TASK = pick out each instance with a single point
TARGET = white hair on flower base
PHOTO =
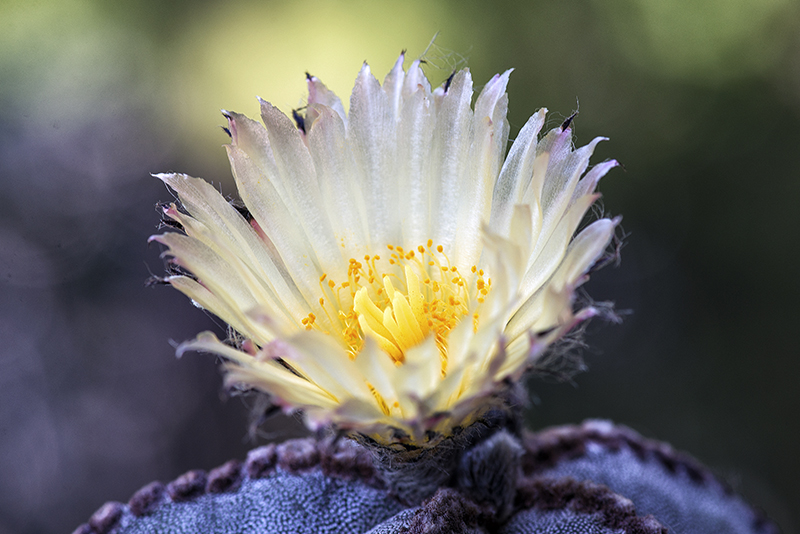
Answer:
(397, 272)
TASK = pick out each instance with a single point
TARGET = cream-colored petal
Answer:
(421, 371)
(584, 250)
(414, 183)
(543, 309)
(371, 131)
(547, 255)
(359, 414)
(452, 140)
(506, 261)
(335, 168)
(299, 176)
(378, 369)
(212, 270)
(327, 364)
(589, 182)
(318, 93)
(224, 230)
(279, 225)
(490, 135)
(269, 376)
(458, 345)
(393, 86)
(252, 138)
(415, 80)
(516, 173)
(209, 301)
(557, 194)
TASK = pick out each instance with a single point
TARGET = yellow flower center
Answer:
(418, 294)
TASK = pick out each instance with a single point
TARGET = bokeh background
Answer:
(701, 101)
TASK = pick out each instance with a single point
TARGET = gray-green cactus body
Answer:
(595, 478)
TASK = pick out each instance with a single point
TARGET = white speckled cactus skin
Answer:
(596, 478)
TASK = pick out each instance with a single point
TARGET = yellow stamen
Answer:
(399, 308)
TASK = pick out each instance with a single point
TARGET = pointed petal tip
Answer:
(398, 64)
(182, 349)
(169, 176)
(365, 75)
(502, 76)
(194, 344)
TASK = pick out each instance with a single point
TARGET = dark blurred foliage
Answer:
(701, 101)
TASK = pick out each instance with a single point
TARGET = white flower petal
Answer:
(490, 135)
(588, 183)
(304, 198)
(421, 372)
(517, 173)
(280, 227)
(256, 373)
(371, 131)
(219, 226)
(393, 85)
(415, 136)
(452, 140)
(415, 80)
(327, 364)
(208, 301)
(584, 251)
(378, 370)
(212, 270)
(319, 94)
(550, 250)
(327, 143)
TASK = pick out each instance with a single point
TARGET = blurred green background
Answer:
(701, 100)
